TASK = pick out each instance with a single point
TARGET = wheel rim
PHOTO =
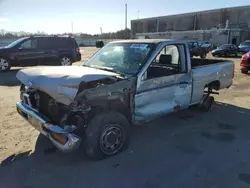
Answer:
(65, 61)
(111, 139)
(3, 64)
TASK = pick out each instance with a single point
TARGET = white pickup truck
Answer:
(123, 84)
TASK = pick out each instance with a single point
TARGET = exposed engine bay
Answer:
(92, 96)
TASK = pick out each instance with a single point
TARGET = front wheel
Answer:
(4, 65)
(65, 61)
(107, 134)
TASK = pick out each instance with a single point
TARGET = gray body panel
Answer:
(61, 82)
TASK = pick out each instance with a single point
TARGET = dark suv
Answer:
(39, 50)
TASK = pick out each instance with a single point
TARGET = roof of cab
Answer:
(153, 41)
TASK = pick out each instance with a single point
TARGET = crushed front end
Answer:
(36, 109)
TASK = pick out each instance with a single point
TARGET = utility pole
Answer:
(72, 27)
(138, 14)
(126, 15)
(101, 31)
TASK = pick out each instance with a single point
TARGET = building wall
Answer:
(214, 36)
(238, 17)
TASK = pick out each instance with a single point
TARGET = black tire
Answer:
(4, 65)
(97, 135)
(207, 104)
(244, 71)
(203, 56)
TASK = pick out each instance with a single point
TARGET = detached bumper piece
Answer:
(61, 138)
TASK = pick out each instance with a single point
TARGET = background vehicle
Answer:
(207, 45)
(226, 50)
(124, 83)
(195, 49)
(39, 50)
(245, 63)
(244, 47)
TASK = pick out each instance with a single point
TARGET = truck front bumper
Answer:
(63, 139)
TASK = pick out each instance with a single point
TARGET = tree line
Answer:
(121, 34)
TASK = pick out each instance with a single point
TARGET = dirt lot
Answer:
(187, 149)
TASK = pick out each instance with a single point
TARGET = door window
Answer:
(170, 60)
(46, 43)
(29, 44)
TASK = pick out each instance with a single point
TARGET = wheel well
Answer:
(214, 85)
(124, 110)
(66, 55)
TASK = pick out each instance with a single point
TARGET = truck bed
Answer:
(207, 71)
(197, 62)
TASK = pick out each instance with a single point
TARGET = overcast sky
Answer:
(55, 16)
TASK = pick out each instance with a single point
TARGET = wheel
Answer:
(226, 54)
(4, 65)
(244, 71)
(65, 61)
(207, 103)
(107, 134)
(203, 56)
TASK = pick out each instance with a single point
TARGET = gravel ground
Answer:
(185, 149)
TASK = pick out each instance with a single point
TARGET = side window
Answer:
(65, 42)
(29, 44)
(171, 60)
(45, 43)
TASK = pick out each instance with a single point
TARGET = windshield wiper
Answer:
(108, 69)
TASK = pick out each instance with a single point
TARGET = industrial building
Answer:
(220, 26)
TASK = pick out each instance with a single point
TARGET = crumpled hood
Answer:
(61, 82)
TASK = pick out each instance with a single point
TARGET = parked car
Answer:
(207, 45)
(125, 83)
(245, 63)
(39, 50)
(244, 47)
(195, 49)
(99, 44)
(226, 50)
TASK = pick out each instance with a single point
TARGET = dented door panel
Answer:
(159, 96)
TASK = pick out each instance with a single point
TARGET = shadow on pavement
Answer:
(186, 144)
(9, 78)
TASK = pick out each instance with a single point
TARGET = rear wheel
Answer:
(244, 71)
(65, 61)
(107, 134)
(4, 65)
(207, 103)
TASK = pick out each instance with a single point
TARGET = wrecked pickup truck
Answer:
(125, 83)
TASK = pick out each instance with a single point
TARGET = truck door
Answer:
(166, 84)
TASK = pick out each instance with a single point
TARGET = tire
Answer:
(104, 126)
(4, 65)
(65, 61)
(207, 104)
(244, 71)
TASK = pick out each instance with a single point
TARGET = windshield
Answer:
(225, 46)
(15, 43)
(125, 58)
(246, 44)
